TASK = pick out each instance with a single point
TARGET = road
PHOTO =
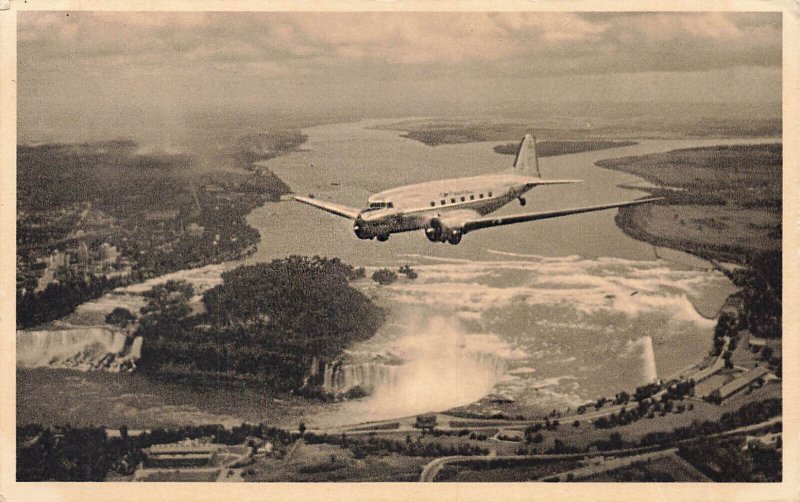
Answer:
(406, 424)
(433, 468)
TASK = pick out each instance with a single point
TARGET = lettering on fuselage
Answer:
(458, 192)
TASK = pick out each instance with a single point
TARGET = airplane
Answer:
(450, 208)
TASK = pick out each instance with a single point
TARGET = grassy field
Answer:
(668, 468)
(581, 437)
(324, 462)
(721, 202)
(182, 476)
(466, 472)
(501, 447)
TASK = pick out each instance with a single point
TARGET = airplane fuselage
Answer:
(448, 209)
(413, 207)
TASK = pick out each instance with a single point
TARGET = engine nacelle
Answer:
(433, 234)
(445, 230)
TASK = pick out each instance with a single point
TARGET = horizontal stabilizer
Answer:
(331, 207)
(519, 218)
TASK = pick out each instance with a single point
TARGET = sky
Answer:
(110, 70)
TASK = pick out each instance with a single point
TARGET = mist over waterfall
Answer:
(442, 366)
(81, 348)
(649, 360)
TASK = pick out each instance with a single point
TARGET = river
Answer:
(548, 314)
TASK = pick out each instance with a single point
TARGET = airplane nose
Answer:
(358, 228)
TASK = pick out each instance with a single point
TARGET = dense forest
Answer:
(60, 299)
(734, 460)
(161, 212)
(263, 326)
(762, 290)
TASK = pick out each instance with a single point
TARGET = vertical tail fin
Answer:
(527, 162)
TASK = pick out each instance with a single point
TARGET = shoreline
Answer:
(234, 262)
(703, 210)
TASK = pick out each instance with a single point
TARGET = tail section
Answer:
(527, 162)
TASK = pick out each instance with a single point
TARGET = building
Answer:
(742, 381)
(189, 453)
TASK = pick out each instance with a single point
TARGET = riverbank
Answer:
(721, 203)
(484, 338)
(639, 122)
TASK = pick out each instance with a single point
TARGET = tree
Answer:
(384, 276)
(408, 271)
(425, 423)
(615, 441)
(576, 423)
(728, 357)
(120, 317)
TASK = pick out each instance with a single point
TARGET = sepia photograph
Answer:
(401, 246)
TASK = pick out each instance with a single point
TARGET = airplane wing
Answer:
(331, 207)
(479, 223)
(541, 181)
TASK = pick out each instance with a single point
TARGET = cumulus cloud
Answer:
(556, 43)
(124, 71)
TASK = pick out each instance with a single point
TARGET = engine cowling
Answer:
(447, 229)
(434, 234)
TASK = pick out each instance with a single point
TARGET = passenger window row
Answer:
(463, 199)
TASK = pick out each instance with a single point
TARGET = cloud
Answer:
(512, 43)
(124, 71)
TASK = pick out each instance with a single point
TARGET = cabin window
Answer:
(453, 200)
(379, 205)
(481, 196)
(463, 199)
(490, 194)
(444, 202)
(472, 197)
(433, 204)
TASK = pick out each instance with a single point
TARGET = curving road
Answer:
(433, 468)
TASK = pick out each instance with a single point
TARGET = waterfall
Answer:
(81, 348)
(327, 381)
(340, 378)
(136, 349)
(649, 360)
(498, 365)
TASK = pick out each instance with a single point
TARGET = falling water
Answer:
(82, 348)
(136, 349)
(368, 375)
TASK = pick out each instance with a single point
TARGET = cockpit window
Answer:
(379, 205)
